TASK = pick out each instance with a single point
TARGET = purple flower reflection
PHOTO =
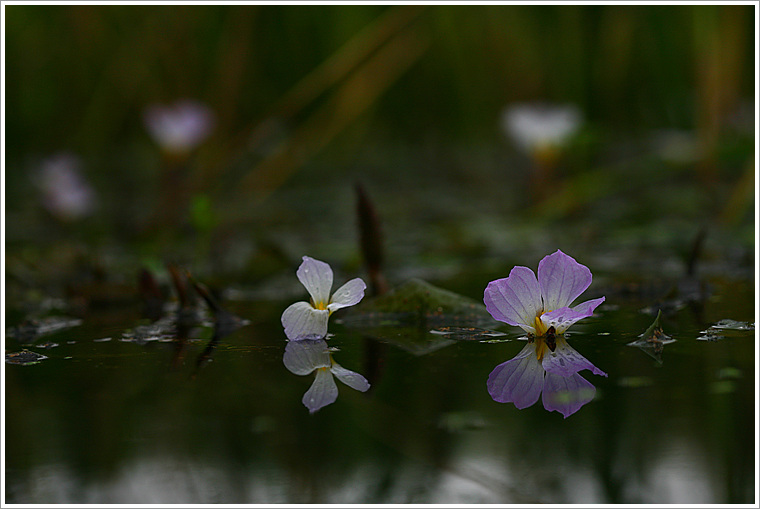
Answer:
(312, 355)
(536, 370)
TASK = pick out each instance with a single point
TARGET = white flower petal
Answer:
(317, 277)
(303, 357)
(322, 392)
(347, 295)
(350, 378)
(302, 321)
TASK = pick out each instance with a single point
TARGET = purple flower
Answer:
(180, 127)
(308, 320)
(547, 364)
(538, 304)
(313, 355)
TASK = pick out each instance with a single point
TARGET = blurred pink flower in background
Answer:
(65, 192)
(180, 127)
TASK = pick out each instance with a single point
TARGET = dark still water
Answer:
(116, 413)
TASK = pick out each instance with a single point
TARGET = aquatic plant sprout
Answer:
(547, 365)
(308, 320)
(313, 356)
(535, 305)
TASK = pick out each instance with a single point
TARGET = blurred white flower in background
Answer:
(65, 192)
(180, 127)
(538, 128)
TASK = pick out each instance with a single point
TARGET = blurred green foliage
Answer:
(78, 77)
(327, 88)
(81, 74)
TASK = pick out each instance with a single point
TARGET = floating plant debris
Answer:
(467, 333)
(723, 329)
(24, 358)
(156, 331)
(30, 330)
(729, 324)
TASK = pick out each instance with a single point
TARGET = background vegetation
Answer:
(328, 93)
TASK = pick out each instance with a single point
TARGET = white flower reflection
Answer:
(313, 355)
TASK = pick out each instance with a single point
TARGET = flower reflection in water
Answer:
(540, 305)
(313, 355)
(536, 370)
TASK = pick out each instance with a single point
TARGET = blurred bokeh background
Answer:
(407, 100)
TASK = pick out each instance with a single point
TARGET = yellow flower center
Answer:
(540, 327)
(540, 348)
(320, 305)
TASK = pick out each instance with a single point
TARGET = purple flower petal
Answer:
(518, 380)
(350, 378)
(317, 277)
(302, 321)
(566, 395)
(563, 318)
(566, 361)
(322, 392)
(515, 300)
(303, 357)
(347, 295)
(562, 280)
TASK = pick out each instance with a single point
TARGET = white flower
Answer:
(308, 320)
(537, 128)
(307, 356)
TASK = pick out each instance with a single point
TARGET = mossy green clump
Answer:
(421, 302)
